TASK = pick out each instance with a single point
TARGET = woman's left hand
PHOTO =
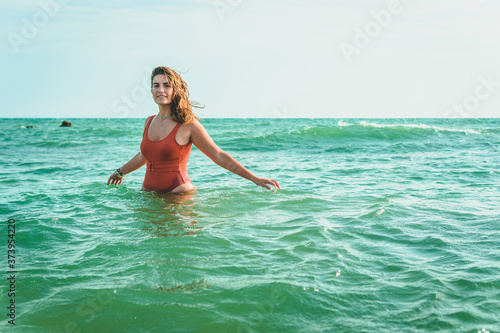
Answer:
(263, 181)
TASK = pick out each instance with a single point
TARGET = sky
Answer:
(252, 58)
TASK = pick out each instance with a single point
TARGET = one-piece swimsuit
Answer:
(166, 161)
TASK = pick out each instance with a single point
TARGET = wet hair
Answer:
(182, 107)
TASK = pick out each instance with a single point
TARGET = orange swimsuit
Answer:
(166, 161)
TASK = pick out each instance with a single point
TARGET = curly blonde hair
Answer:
(182, 107)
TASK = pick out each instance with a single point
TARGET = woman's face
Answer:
(162, 91)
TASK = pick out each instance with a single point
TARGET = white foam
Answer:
(423, 126)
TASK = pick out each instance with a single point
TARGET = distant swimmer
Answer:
(167, 139)
(65, 124)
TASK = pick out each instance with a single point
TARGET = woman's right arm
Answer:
(135, 163)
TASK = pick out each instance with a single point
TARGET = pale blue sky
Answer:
(252, 58)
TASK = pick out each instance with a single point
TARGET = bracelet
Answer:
(120, 174)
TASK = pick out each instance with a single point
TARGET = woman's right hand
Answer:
(114, 179)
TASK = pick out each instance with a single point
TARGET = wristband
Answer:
(119, 173)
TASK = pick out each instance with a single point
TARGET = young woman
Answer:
(167, 139)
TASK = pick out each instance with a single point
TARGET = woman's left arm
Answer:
(203, 141)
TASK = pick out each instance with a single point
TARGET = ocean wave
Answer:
(370, 130)
(344, 127)
(343, 131)
(418, 126)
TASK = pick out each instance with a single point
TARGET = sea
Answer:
(380, 225)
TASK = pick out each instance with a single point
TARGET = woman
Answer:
(167, 139)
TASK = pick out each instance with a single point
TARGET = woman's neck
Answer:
(165, 110)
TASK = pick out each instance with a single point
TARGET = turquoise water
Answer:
(381, 225)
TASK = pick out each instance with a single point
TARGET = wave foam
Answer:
(421, 126)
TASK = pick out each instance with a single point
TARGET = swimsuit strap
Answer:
(176, 128)
(145, 132)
